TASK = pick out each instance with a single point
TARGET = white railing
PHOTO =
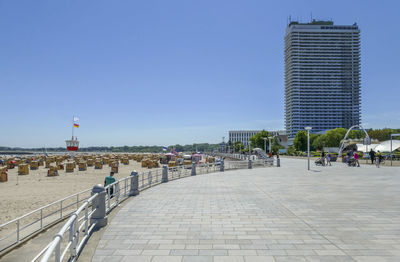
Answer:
(79, 222)
(23, 227)
(78, 230)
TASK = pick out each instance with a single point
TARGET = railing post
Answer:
(41, 218)
(222, 165)
(18, 231)
(164, 174)
(57, 252)
(72, 248)
(76, 236)
(193, 169)
(150, 178)
(125, 186)
(99, 205)
(117, 188)
(86, 220)
(250, 165)
(134, 184)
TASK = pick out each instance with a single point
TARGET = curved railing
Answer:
(76, 225)
(80, 224)
(17, 230)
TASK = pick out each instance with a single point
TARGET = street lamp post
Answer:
(265, 144)
(249, 150)
(270, 138)
(391, 147)
(308, 128)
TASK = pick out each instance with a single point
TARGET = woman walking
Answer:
(328, 159)
(356, 157)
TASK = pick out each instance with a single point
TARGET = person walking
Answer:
(356, 157)
(379, 158)
(109, 180)
(328, 159)
(323, 157)
(349, 156)
(372, 155)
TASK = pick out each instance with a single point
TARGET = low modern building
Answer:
(244, 136)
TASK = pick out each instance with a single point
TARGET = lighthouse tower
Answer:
(73, 143)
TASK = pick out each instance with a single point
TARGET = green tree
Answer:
(239, 147)
(300, 141)
(318, 142)
(334, 136)
(291, 150)
(356, 134)
(276, 146)
(258, 141)
(314, 137)
(382, 134)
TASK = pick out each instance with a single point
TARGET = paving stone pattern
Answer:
(334, 213)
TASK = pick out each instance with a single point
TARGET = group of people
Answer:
(375, 156)
(352, 158)
(325, 158)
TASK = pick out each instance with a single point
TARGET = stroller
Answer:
(320, 162)
(351, 162)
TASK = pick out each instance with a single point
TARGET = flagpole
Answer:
(73, 127)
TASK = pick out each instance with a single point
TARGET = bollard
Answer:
(250, 166)
(134, 184)
(99, 205)
(278, 162)
(164, 174)
(193, 169)
(222, 165)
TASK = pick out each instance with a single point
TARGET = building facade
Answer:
(244, 136)
(322, 76)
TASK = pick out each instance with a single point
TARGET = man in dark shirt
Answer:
(109, 180)
(372, 155)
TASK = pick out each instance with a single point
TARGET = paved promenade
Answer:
(332, 213)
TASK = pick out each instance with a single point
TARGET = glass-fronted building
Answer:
(322, 76)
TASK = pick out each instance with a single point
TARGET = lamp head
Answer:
(308, 128)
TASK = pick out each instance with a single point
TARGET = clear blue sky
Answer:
(165, 72)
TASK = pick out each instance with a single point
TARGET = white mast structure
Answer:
(73, 144)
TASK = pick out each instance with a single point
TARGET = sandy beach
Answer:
(24, 193)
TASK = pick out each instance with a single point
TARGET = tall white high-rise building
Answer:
(322, 76)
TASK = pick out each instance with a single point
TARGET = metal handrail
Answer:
(42, 220)
(43, 207)
(122, 189)
(72, 226)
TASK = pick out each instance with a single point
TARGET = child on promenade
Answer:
(328, 159)
(356, 157)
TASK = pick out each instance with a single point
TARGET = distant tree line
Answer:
(202, 147)
(333, 137)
